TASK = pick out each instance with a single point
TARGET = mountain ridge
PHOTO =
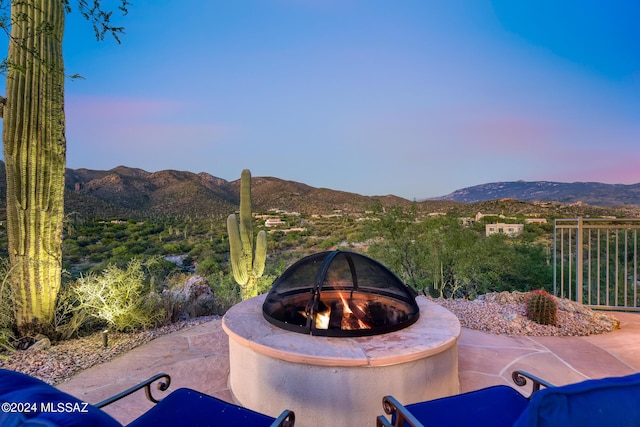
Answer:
(591, 193)
(182, 192)
(132, 192)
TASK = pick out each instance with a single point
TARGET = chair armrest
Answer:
(402, 415)
(162, 386)
(520, 379)
(286, 419)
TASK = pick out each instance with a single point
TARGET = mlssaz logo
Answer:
(66, 407)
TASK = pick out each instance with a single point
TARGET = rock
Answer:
(511, 317)
(193, 298)
(42, 343)
(505, 297)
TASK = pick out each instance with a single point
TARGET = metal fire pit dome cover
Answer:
(334, 281)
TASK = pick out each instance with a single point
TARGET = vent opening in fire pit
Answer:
(340, 294)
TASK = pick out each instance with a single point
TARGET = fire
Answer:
(350, 320)
(323, 318)
(345, 305)
(354, 315)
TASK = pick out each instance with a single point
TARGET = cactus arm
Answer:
(246, 218)
(261, 254)
(238, 263)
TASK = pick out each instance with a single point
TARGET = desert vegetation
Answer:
(116, 270)
(440, 256)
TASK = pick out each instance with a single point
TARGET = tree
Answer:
(442, 257)
(35, 151)
(401, 246)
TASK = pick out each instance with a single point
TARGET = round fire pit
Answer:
(340, 294)
(336, 333)
(339, 380)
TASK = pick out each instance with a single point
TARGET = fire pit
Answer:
(340, 294)
(331, 347)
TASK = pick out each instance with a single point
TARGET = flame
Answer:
(350, 321)
(345, 305)
(322, 319)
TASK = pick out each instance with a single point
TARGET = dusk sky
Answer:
(415, 98)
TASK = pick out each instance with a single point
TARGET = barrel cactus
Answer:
(247, 259)
(542, 307)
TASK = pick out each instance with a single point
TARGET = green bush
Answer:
(225, 290)
(208, 266)
(120, 297)
(70, 316)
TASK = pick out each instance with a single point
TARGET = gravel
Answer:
(505, 313)
(61, 360)
(497, 313)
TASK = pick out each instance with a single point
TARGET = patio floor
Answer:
(198, 358)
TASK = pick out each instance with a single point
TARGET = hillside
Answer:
(129, 190)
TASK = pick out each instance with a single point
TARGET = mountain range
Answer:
(591, 193)
(131, 192)
(179, 192)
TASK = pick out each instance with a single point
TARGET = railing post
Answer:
(579, 266)
(555, 257)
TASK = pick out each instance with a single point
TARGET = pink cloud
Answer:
(599, 165)
(120, 129)
(509, 131)
(101, 108)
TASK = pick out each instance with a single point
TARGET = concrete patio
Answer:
(198, 358)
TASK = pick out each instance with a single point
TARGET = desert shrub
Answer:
(225, 290)
(120, 297)
(166, 306)
(271, 272)
(208, 266)
(6, 312)
(71, 318)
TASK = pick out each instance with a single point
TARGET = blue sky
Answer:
(415, 98)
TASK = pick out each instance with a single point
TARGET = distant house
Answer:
(273, 222)
(535, 221)
(501, 228)
(480, 215)
(466, 222)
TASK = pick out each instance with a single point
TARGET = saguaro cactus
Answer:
(34, 153)
(247, 261)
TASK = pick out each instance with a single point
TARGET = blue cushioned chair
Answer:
(590, 403)
(29, 402)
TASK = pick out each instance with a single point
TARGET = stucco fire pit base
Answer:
(339, 381)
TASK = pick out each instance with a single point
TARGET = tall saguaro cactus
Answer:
(34, 151)
(247, 261)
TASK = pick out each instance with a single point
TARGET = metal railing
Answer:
(596, 262)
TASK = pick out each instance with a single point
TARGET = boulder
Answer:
(192, 298)
(41, 343)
